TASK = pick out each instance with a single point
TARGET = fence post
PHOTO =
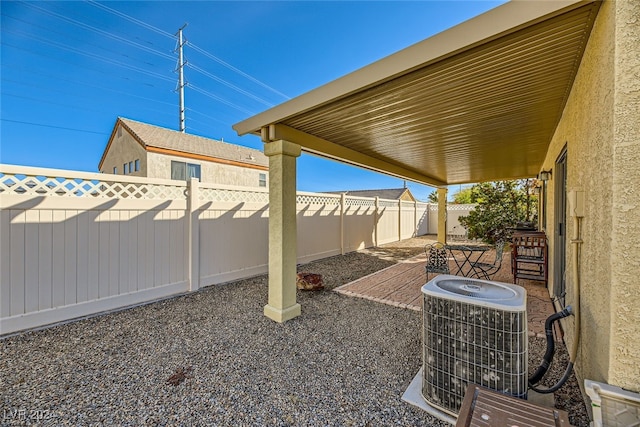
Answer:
(193, 246)
(377, 220)
(399, 220)
(415, 218)
(342, 199)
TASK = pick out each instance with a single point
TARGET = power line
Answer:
(100, 31)
(66, 36)
(143, 71)
(229, 85)
(54, 41)
(55, 58)
(52, 126)
(217, 98)
(222, 100)
(93, 56)
(206, 115)
(66, 92)
(30, 70)
(232, 68)
(130, 19)
(193, 46)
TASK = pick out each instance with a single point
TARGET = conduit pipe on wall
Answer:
(577, 244)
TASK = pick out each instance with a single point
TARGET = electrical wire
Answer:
(236, 70)
(191, 45)
(219, 99)
(29, 70)
(146, 72)
(95, 56)
(130, 18)
(59, 45)
(63, 36)
(52, 126)
(99, 31)
(224, 82)
(82, 107)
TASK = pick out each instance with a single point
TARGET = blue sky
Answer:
(69, 69)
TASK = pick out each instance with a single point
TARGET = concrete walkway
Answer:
(400, 285)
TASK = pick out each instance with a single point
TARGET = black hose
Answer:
(556, 386)
(548, 355)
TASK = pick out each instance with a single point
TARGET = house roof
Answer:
(168, 141)
(477, 102)
(390, 193)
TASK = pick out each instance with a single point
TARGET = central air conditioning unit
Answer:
(474, 331)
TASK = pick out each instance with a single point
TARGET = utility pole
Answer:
(180, 71)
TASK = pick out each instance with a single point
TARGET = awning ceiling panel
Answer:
(482, 113)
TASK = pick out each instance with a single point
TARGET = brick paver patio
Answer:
(400, 285)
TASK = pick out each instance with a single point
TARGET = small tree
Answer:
(501, 205)
(464, 196)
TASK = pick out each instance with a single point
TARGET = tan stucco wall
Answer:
(124, 148)
(625, 296)
(601, 129)
(159, 166)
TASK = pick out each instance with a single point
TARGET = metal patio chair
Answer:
(487, 271)
(437, 259)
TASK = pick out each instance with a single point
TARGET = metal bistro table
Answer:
(470, 254)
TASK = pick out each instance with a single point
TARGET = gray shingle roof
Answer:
(155, 136)
(391, 193)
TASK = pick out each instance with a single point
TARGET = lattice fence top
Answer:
(453, 207)
(359, 201)
(466, 207)
(319, 199)
(385, 203)
(41, 185)
(232, 195)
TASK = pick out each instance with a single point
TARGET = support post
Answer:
(442, 215)
(282, 304)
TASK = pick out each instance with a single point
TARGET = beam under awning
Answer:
(314, 145)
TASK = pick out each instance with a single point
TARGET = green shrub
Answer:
(501, 206)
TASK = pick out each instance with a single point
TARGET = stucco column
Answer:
(282, 304)
(442, 215)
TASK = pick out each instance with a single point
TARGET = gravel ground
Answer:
(345, 361)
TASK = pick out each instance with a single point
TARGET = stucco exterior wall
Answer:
(159, 166)
(625, 296)
(600, 128)
(124, 148)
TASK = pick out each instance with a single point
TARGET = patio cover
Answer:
(477, 102)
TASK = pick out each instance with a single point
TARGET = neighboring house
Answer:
(141, 149)
(389, 194)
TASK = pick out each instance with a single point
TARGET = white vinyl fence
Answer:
(75, 244)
